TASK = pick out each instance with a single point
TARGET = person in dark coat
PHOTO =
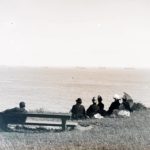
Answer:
(78, 110)
(101, 106)
(126, 105)
(93, 109)
(15, 119)
(114, 105)
(20, 109)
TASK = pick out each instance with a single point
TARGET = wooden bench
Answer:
(18, 118)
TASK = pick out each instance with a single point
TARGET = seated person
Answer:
(17, 110)
(125, 105)
(20, 109)
(101, 106)
(114, 105)
(93, 109)
(78, 110)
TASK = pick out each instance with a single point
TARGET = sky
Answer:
(90, 33)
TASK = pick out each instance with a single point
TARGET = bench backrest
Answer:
(20, 117)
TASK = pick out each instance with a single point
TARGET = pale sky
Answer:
(114, 33)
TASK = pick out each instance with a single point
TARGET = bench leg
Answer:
(63, 124)
(3, 125)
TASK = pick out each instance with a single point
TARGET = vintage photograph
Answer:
(74, 74)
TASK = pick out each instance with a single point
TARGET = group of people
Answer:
(78, 110)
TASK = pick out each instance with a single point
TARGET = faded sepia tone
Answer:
(75, 33)
(74, 74)
(56, 89)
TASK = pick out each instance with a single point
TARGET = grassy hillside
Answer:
(131, 133)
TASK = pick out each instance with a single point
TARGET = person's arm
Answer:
(88, 110)
(25, 111)
(73, 109)
(102, 106)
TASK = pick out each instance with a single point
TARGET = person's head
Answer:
(22, 105)
(94, 100)
(99, 98)
(79, 101)
(124, 98)
(117, 97)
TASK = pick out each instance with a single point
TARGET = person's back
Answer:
(101, 106)
(14, 111)
(93, 109)
(114, 105)
(126, 105)
(20, 109)
(78, 110)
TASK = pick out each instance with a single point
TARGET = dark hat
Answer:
(79, 100)
(22, 104)
(99, 98)
(93, 99)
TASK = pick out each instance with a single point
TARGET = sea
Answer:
(56, 89)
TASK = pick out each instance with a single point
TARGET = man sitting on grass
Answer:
(114, 105)
(101, 110)
(78, 110)
(93, 109)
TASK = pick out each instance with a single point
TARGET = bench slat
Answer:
(46, 124)
(39, 115)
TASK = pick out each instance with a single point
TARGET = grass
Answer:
(131, 133)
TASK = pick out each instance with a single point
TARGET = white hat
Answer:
(116, 96)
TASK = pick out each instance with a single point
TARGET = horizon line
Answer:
(81, 67)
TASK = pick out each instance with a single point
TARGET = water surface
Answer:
(56, 89)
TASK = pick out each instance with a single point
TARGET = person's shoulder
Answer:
(74, 105)
(100, 104)
(90, 105)
(112, 103)
(22, 110)
(82, 106)
(11, 110)
(25, 111)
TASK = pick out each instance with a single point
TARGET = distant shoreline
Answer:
(75, 67)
